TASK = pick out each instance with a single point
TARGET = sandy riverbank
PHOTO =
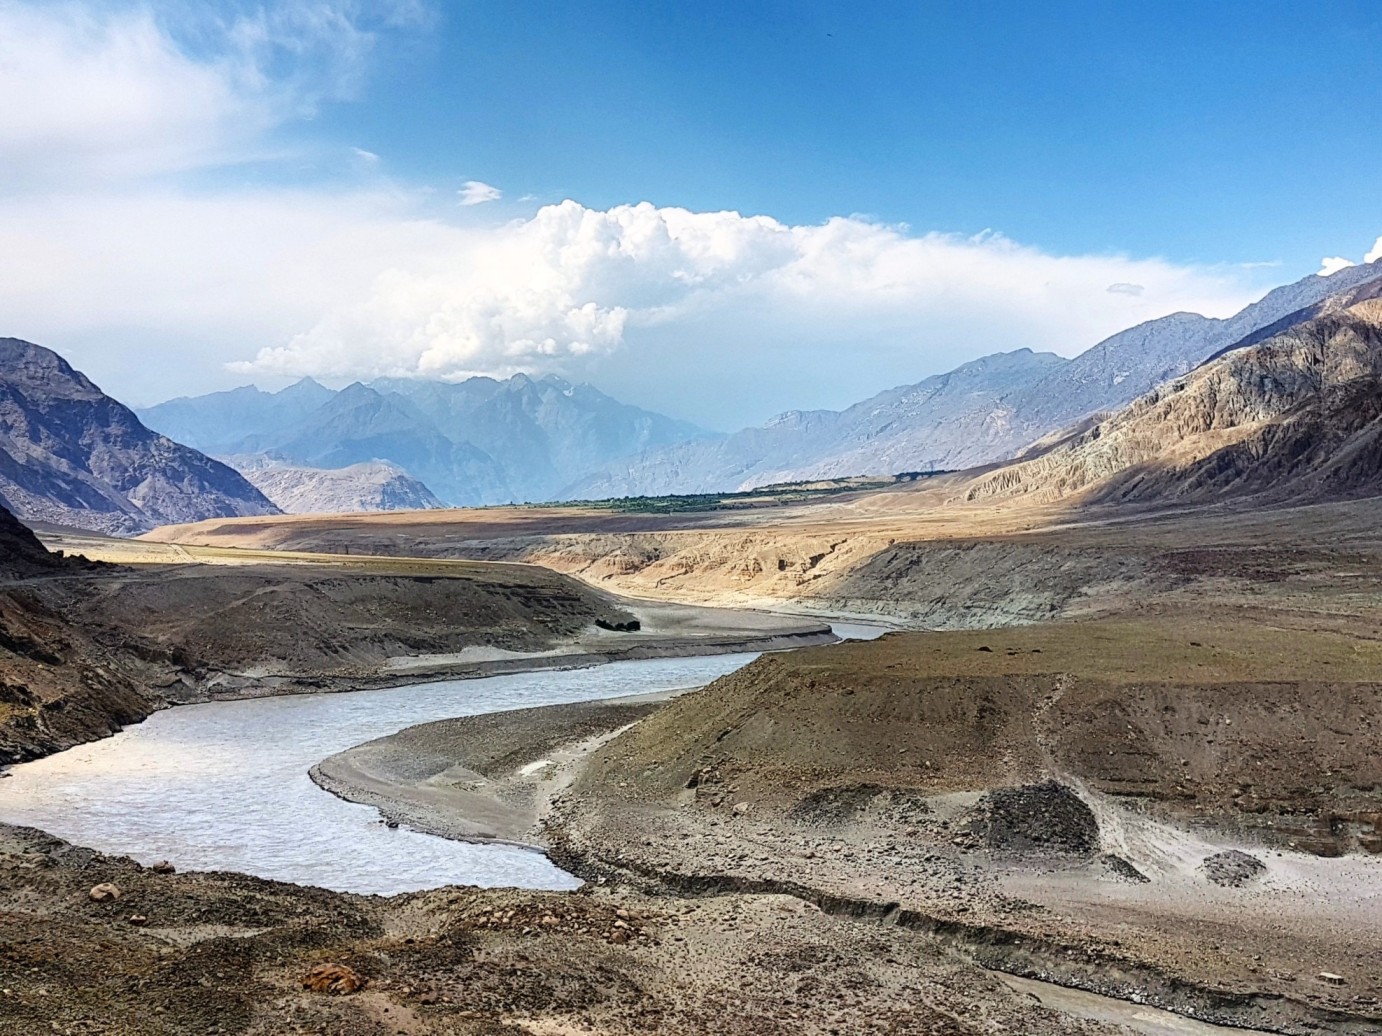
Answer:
(667, 631)
(483, 778)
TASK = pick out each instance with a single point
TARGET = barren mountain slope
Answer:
(58, 685)
(903, 429)
(983, 411)
(1293, 416)
(71, 455)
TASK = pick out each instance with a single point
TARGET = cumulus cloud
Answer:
(477, 192)
(706, 299)
(1123, 288)
(1335, 263)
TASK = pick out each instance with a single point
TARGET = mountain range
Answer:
(478, 441)
(984, 411)
(71, 455)
(1295, 416)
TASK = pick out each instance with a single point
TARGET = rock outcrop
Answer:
(59, 684)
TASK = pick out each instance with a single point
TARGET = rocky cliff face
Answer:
(1294, 416)
(984, 411)
(375, 486)
(71, 455)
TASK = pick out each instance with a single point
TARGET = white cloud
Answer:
(714, 315)
(90, 93)
(368, 157)
(477, 192)
(1335, 263)
(1123, 288)
(708, 303)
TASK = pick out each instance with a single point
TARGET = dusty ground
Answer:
(1045, 797)
(226, 954)
(918, 555)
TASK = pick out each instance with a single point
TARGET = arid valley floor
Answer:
(1127, 752)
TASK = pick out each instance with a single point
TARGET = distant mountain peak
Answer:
(472, 441)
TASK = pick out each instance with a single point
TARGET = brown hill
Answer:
(71, 455)
(1295, 417)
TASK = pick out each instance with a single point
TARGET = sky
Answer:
(716, 210)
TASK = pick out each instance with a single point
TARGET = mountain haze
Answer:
(71, 455)
(237, 420)
(477, 441)
(373, 486)
(899, 430)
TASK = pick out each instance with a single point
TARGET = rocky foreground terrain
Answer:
(199, 954)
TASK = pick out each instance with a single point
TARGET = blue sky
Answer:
(840, 197)
(1220, 132)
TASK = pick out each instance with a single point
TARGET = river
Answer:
(224, 786)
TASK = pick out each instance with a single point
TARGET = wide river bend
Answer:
(224, 786)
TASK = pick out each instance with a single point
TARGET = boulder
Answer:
(336, 979)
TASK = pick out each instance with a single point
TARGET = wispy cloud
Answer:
(477, 192)
(93, 92)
